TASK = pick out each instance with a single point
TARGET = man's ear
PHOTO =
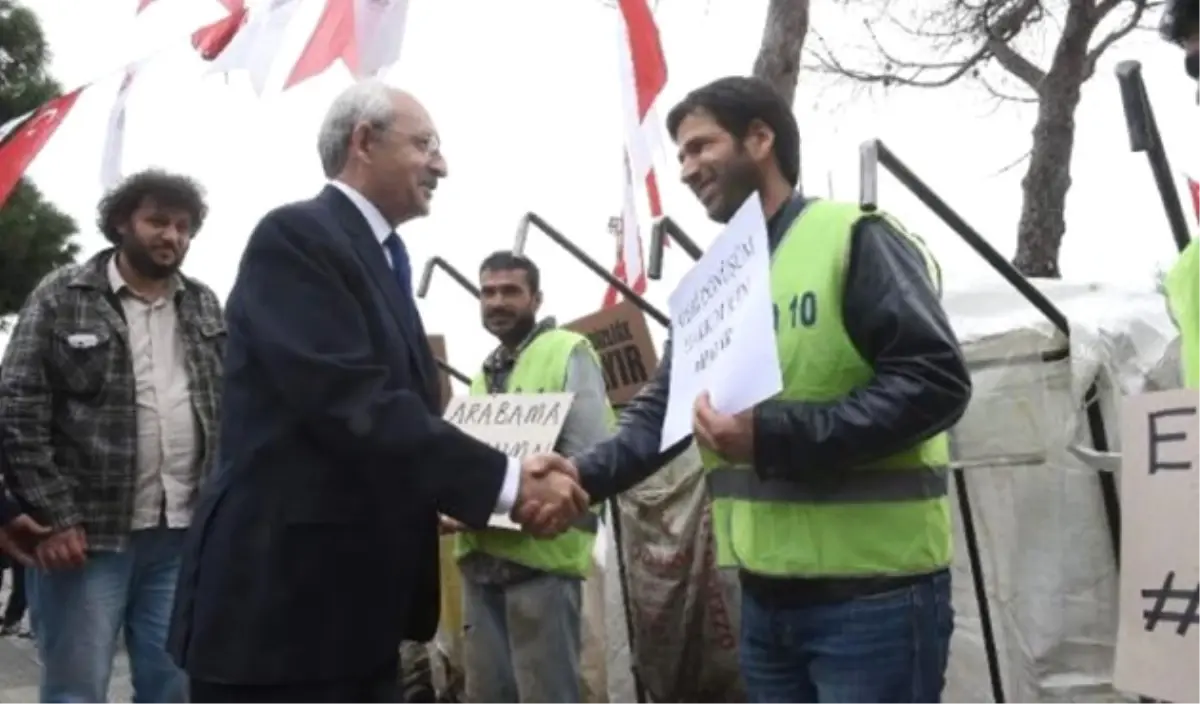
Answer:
(760, 140)
(537, 301)
(360, 139)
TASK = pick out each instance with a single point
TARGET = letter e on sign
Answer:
(1159, 593)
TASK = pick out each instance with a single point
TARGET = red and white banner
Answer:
(23, 138)
(643, 73)
(365, 34)
(256, 46)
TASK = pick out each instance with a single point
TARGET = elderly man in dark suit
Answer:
(314, 550)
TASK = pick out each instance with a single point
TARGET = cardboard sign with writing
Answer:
(516, 424)
(437, 343)
(623, 343)
(1160, 547)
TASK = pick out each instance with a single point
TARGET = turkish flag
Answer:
(142, 5)
(333, 37)
(26, 140)
(211, 39)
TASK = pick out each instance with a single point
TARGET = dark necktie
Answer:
(401, 268)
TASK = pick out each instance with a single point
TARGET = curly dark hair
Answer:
(168, 190)
(735, 102)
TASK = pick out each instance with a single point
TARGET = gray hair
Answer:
(366, 101)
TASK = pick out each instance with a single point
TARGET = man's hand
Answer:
(64, 549)
(732, 437)
(549, 498)
(20, 536)
(449, 526)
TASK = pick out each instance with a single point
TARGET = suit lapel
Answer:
(370, 253)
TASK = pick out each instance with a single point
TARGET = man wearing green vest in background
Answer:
(522, 593)
(1181, 26)
(830, 500)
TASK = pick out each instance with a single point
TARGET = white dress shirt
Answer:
(380, 228)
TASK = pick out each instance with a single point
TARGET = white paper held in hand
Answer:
(722, 326)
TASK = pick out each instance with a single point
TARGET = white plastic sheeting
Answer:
(1044, 540)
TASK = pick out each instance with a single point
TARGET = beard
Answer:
(739, 179)
(141, 261)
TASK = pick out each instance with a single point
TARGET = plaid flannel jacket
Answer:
(68, 416)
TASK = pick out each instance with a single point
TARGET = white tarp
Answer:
(1045, 545)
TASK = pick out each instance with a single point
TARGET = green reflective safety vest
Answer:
(889, 517)
(1183, 298)
(540, 368)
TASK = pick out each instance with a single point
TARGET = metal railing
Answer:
(535, 220)
(1145, 137)
(423, 290)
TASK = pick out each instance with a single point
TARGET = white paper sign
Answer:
(722, 326)
(1160, 547)
(516, 424)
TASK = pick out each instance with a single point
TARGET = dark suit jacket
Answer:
(313, 549)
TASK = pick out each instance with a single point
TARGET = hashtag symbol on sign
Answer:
(1167, 594)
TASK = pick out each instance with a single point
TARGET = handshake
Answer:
(549, 498)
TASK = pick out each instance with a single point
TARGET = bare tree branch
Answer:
(1001, 31)
(1130, 24)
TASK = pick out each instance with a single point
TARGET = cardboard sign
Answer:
(1160, 547)
(626, 351)
(516, 424)
(437, 343)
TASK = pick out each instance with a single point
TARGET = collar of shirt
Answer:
(375, 220)
(502, 359)
(118, 283)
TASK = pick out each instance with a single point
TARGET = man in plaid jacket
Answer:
(109, 403)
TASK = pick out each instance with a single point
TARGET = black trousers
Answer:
(379, 687)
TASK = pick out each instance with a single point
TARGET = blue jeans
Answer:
(77, 615)
(522, 641)
(889, 647)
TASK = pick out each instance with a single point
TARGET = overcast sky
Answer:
(525, 95)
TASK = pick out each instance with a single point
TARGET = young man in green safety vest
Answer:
(1181, 26)
(830, 500)
(521, 593)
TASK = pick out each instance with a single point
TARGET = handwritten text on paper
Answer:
(516, 424)
(722, 326)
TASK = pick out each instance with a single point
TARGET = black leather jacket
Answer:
(892, 314)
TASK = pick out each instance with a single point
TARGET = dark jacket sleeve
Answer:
(921, 386)
(632, 454)
(303, 321)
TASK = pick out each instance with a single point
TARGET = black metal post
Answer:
(561, 240)
(439, 263)
(666, 227)
(445, 366)
(1144, 137)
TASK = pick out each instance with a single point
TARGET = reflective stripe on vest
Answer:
(855, 486)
